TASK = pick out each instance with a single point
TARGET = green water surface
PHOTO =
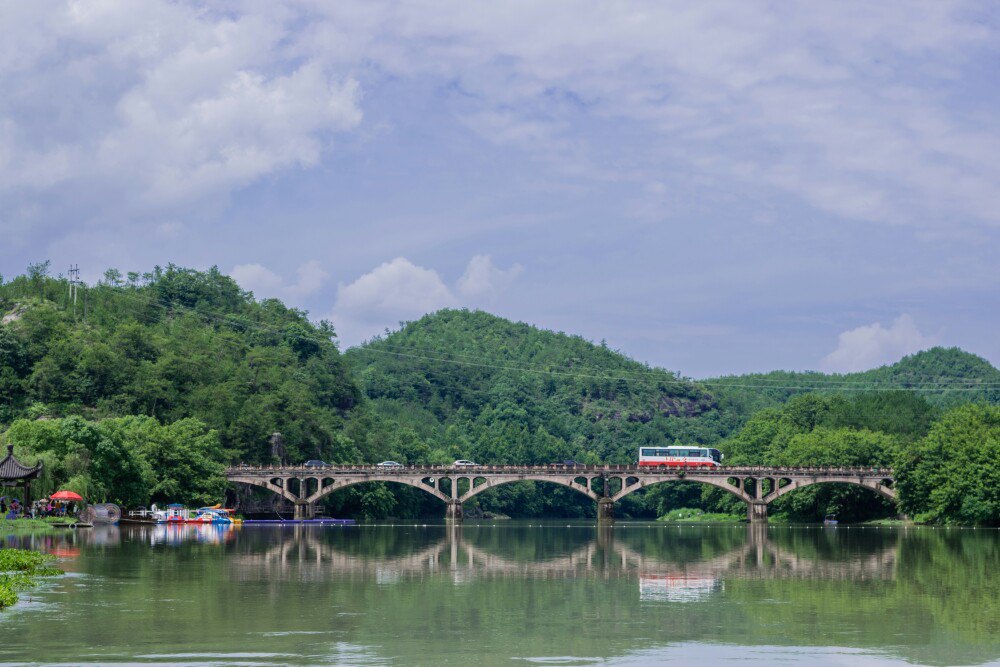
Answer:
(512, 593)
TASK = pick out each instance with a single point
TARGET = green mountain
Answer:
(482, 387)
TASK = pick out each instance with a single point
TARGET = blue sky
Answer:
(709, 187)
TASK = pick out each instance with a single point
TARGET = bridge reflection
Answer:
(462, 555)
(669, 563)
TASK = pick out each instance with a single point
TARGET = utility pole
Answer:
(74, 280)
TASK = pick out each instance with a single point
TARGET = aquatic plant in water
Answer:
(20, 569)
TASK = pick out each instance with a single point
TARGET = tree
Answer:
(953, 475)
(184, 457)
(113, 277)
(37, 273)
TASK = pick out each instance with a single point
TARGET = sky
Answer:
(709, 187)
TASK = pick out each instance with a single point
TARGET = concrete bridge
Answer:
(758, 487)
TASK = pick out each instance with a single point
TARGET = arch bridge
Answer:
(756, 486)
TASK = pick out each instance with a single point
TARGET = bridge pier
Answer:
(454, 512)
(757, 512)
(605, 512)
(304, 510)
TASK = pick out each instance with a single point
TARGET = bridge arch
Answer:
(269, 485)
(878, 486)
(337, 484)
(488, 483)
(722, 483)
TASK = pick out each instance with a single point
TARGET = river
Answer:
(550, 593)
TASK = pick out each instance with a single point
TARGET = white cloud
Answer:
(482, 279)
(399, 287)
(805, 100)
(125, 110)
(265, 283)
(257, 278)
(400, 290)
(311, 277)
(873, 345)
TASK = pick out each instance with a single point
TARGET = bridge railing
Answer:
(583, 471)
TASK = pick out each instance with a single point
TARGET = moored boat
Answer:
(176, 513)
(215, 514)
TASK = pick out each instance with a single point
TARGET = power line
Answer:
(635, 379)
(666, 378)
(669, 376)
(924, 386)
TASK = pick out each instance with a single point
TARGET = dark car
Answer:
(570, 463)
(315, 463)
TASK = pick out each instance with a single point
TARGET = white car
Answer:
(462, 463)
(389, 464)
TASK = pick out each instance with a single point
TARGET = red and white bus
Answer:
(679, 457)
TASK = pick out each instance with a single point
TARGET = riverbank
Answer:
(20, 569)
(33, 526)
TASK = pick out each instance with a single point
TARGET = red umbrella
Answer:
(66, 495)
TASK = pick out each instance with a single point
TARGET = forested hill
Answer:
(173, 344)
(945, 377)
(499, 391)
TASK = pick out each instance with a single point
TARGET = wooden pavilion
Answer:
(13, 473)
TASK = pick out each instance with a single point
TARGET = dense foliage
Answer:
(126, 460)
(175, 344)
(831, 430)
(484, 388)
(946, 377)
(953, 475)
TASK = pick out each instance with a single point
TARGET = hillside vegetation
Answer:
(946, 377)
(486, 388)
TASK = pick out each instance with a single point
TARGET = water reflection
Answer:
(421, 594)
(175, 535)
(67, 542)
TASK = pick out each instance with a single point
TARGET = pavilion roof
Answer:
(11, 468)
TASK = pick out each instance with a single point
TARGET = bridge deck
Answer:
(582, 471)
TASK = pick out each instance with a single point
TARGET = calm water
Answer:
(511, 592)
